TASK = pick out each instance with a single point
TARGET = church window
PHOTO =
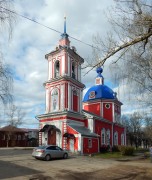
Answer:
(107, 106)
(75, 101)
(89, 143)
(54, 100)
(73, 70)
(122, 139)
(108, 137)
(57, 69)
(103, 136)
(116, 138)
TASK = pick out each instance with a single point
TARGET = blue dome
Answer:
(99, 92)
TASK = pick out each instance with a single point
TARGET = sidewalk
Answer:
(24, 148)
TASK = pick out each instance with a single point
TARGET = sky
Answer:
(25, 51)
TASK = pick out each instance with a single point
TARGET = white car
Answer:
(48, 152)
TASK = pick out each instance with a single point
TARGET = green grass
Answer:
(110, 155)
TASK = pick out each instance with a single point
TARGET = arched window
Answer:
(57, 69)
(116, 138)
(75, 101)
(54, 100)
(103, 136)
(108, 137)
(122, 139)
(73, 70)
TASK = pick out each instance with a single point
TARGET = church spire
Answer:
(99, 78)
(64, 24)
(64, 41)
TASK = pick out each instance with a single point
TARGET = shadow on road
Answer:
(10, 170)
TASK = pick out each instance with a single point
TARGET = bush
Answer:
(115, 149)
(141, 150)
(104, 148)
(126, 150)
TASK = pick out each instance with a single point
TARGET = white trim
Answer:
(79, 142)
(63, 64)
(116, 138)
(69, 97)
(47, 100)
(68, 59)
(79, 72)
(103, 132)
(90, 124)
(112, 135)
(62, 98)
(50, 70)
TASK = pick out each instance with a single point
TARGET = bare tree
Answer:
(134, 123)
(148, 127)
(7, 20)
(15, 116)
(128, 46)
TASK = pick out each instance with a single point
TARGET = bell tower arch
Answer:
(64, 74)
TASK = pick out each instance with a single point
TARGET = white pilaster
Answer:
(68, 65)
(90, 124)
(50, 70)
(79, 73)
(47, 101)
(62, 97)
(63, 65)
(69, 97)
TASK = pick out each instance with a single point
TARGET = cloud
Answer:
(30, 42)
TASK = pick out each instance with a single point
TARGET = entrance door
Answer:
(71, 145)
(52, 137)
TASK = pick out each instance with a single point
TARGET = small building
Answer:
(11, 136)
(76, 125)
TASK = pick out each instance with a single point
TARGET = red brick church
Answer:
(74, 124)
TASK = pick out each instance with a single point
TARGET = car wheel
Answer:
(65, 156)
(47, 157)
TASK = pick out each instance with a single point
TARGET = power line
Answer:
(47, 26)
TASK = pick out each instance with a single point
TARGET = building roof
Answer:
(101, 92)
(10, 128)
(83, 130)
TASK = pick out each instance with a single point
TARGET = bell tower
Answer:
(64, 87)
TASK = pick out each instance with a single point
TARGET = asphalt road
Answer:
(20, 165)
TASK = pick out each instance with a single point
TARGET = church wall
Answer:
(90, 148)
(76, 139)
(71, 131)
(120, 131)
(93, 108)
(99, 125)
(108, 111)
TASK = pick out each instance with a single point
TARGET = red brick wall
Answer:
(93, 149)
(108, 113)
(93, 108)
